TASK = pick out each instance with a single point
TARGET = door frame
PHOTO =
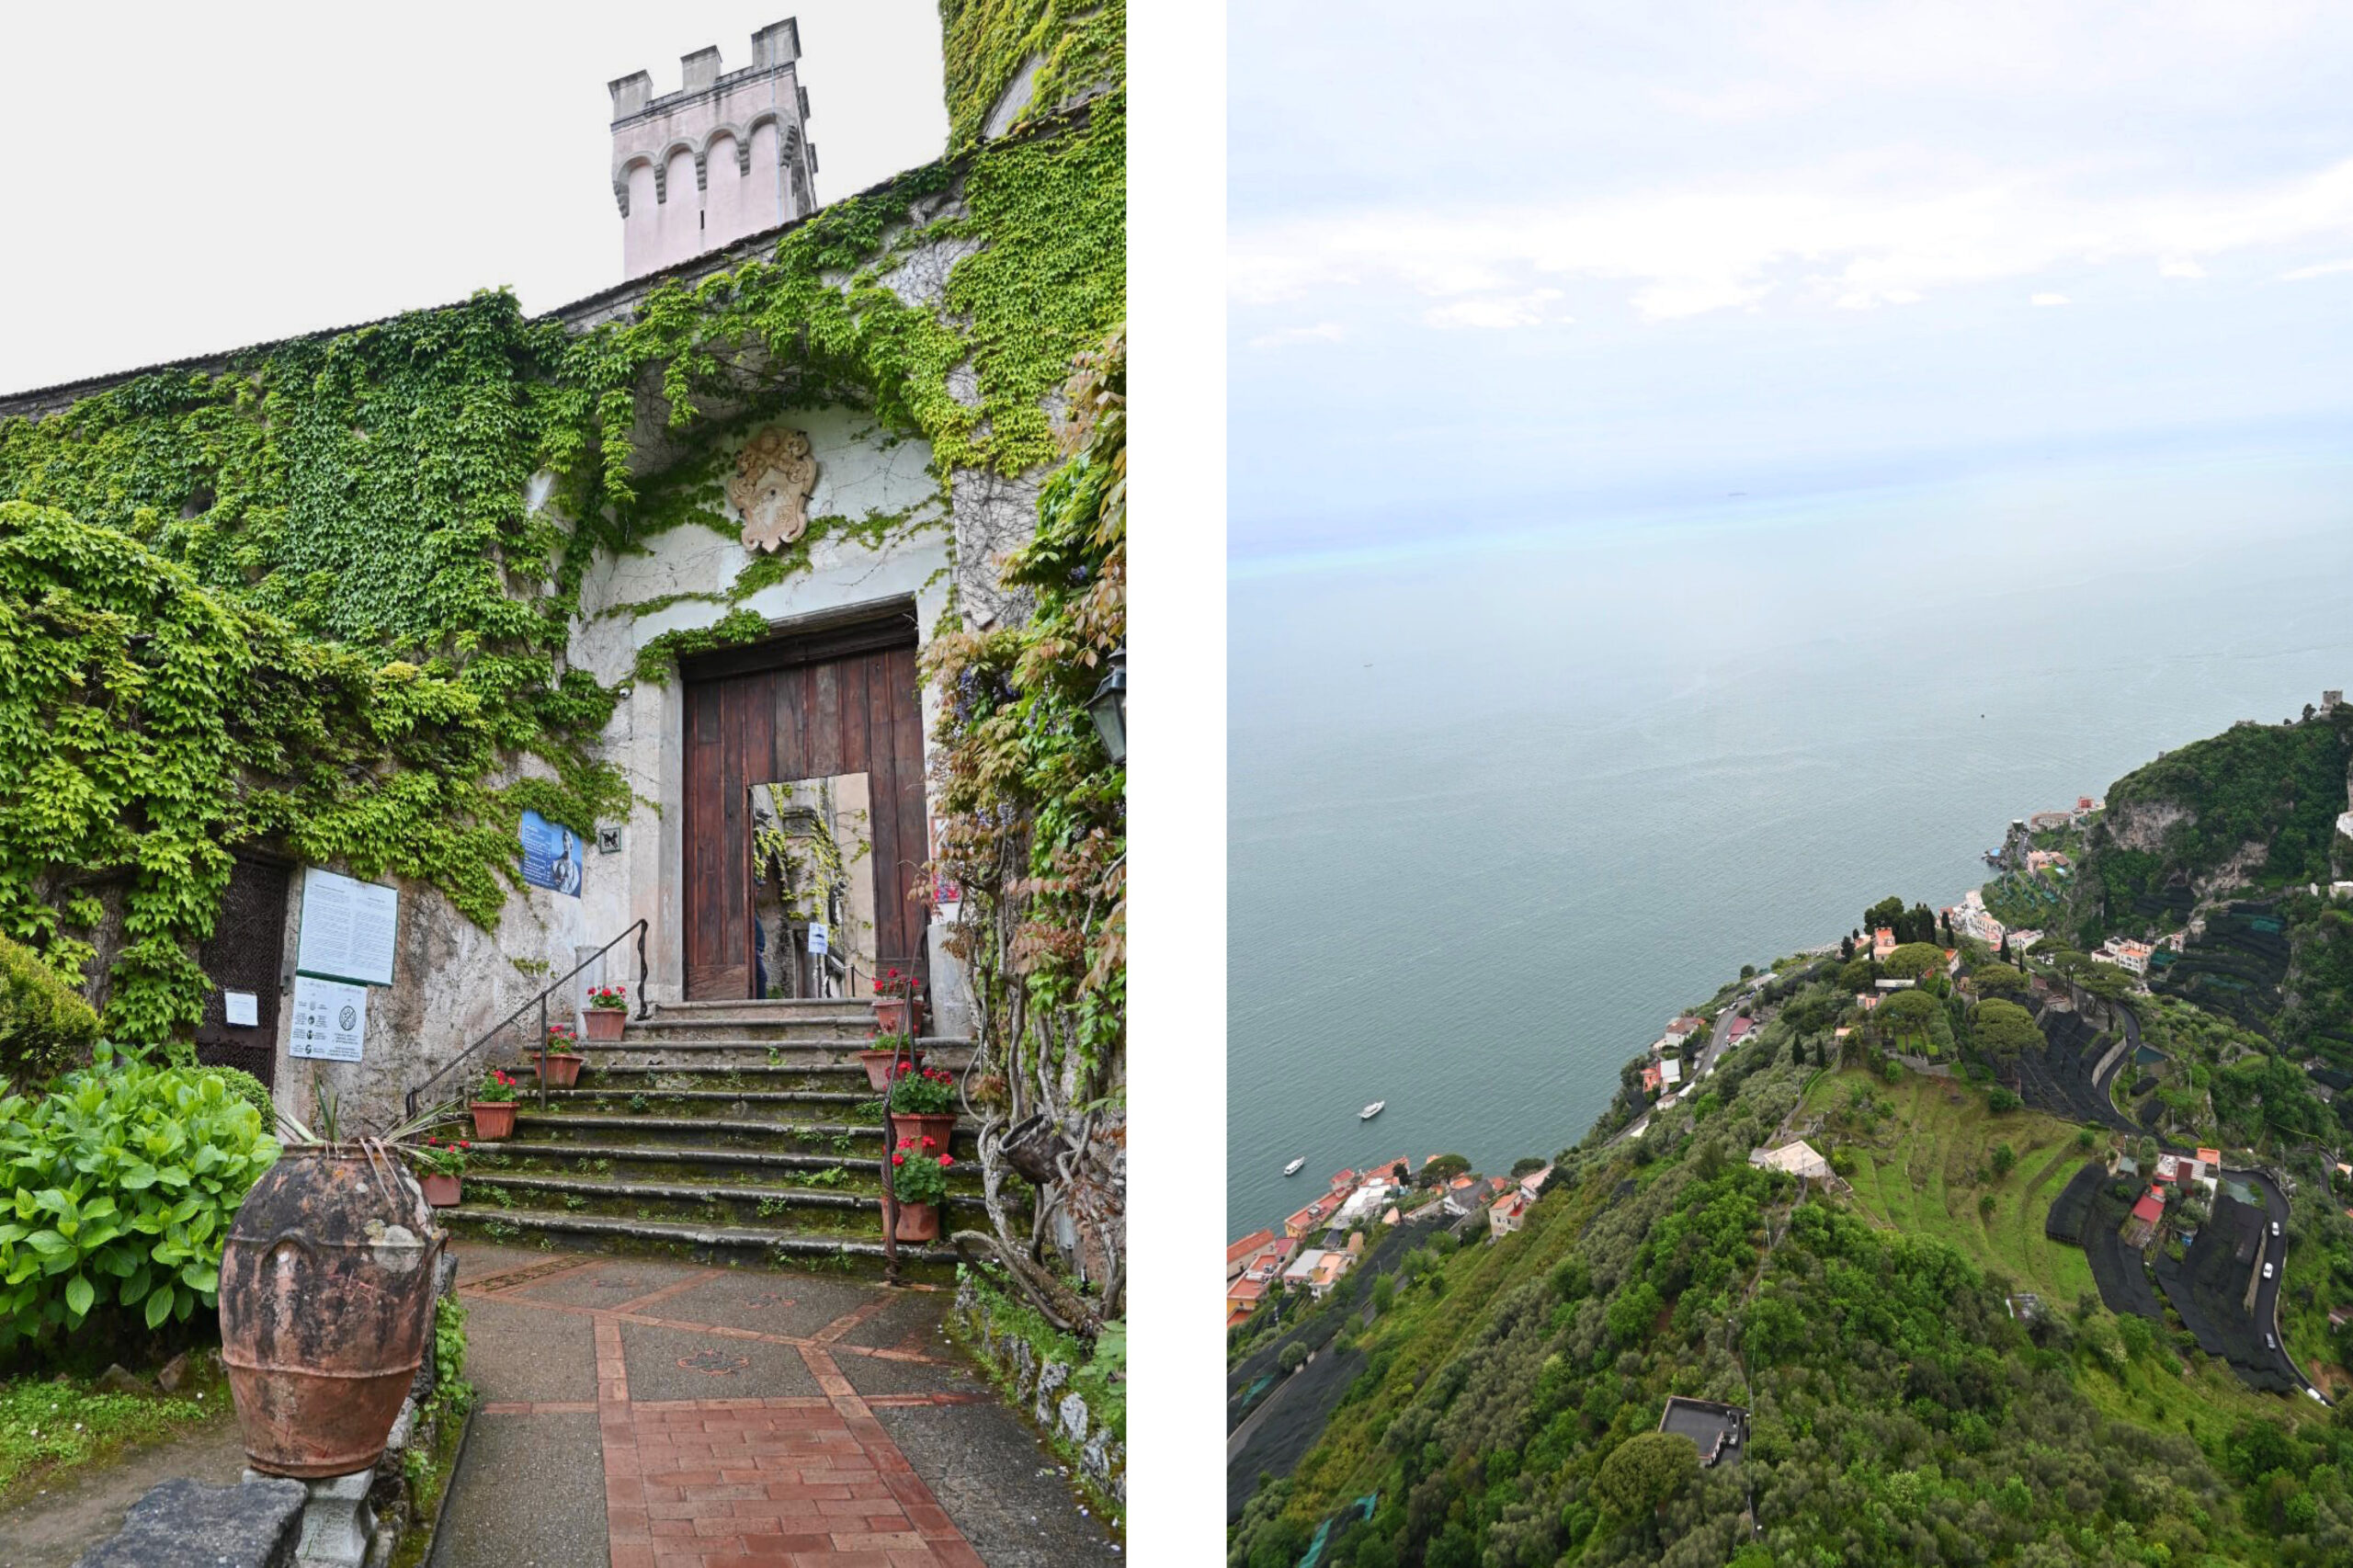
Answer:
(844, 631)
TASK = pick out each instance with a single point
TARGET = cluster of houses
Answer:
(1325, 1239)
(1971, 918)
(2177, 1172)
(1663, 1080)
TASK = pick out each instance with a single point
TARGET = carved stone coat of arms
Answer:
(774, 476)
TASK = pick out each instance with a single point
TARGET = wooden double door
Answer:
(810, 706)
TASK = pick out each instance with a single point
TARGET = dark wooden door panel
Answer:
(857, 711)
(244, 953)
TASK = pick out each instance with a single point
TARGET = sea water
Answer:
(1504, 798)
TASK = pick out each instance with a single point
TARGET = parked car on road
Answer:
(2267, 1271)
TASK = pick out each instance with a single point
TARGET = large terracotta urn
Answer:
(326, 1303)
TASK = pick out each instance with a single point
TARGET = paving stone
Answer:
(871, 1374)
(714, 1368)
(609, 1283)
(515, 1353)
(529, 1494)
(768, 1302)
(1003, 1488)
(910, 1313)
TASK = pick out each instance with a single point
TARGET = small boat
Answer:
(1368, 1112)
(1295, 1166)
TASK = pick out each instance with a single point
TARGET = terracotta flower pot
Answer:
(327, 1306)
(441, 1191)
(878, 1067)
(922, 1127)
(560, 1068)
(915, 1222)
(607, 1023)
(493, 1120)
(897, 1015)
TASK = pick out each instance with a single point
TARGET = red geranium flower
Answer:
(930, 1142)
(898, 1159)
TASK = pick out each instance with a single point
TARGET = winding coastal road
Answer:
(2274, 1250)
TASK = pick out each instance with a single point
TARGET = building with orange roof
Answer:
(1239, 1254)
(1313, 1215)
(1242, 1298)
(1507, 1215)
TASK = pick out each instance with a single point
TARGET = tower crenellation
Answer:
(725, 155)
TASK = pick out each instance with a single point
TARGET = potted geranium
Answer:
(919, 1168)
(884, 1050)
(608, 1011)
(494, 1105)
(923, 1104)
(556, 1060)
(440, 1163)
(898, 1004)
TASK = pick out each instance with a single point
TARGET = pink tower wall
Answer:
(679, 172)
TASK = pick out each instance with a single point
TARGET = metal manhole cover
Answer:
(714, 1363)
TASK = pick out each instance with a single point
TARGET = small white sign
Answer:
(330, 1019)
(242, 1008)
(817, 941)
(348, 928)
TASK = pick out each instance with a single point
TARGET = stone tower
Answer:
(725, 155)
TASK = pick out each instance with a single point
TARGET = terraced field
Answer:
(1915, 1180)
(1911, 1174)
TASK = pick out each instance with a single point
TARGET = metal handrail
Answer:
(417, 1094)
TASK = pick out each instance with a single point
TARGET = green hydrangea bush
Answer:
(123, 1176)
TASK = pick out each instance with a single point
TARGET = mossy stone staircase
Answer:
(736, 1130)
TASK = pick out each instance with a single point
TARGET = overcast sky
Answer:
(185, 178)
(1574, 260)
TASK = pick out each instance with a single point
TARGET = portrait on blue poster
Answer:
(552, 855)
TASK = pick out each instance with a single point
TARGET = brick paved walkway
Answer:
(782, 1463)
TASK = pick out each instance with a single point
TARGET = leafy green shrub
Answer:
(124, 1178)
(45, 1027)
(251, 1090)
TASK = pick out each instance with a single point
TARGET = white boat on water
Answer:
(1295, 1166)
(1368, 1112)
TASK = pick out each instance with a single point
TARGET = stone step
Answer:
(759, 1007)
(609, 1231)
(614, 1096)
(724, 1051)
(671, 1164)
(755, 1203)
(715, 1131)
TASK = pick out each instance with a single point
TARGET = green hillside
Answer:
(2232, 833)
(1900, 1412)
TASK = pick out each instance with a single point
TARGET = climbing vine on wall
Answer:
(304, 596)
(1035, 832)
(1076, 44)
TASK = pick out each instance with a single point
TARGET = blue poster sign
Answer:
(552, 855)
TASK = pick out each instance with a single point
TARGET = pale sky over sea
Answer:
(1495, 263)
